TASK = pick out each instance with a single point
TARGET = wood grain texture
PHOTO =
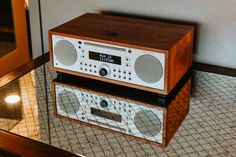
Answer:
(20, 55)
(22, 70)
(179, 60)
(176, 112)
(130, 32)
(22, 146)
(174, 40)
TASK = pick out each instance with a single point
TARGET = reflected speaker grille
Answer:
(148, 68)
(68, 102)
(65, 52)
(147, 123)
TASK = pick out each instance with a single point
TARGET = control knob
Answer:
(104, 71)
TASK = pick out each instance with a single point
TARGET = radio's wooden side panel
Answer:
(180, 60)
(176, 112)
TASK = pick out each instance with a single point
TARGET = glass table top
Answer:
(94, 119)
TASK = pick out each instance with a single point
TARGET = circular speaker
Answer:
(68, 102)
(148, 68)
(147, 123)
(65, 52)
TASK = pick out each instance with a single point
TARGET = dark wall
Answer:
(6, 22)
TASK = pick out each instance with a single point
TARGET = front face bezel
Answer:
(87, 99)
(117, 76)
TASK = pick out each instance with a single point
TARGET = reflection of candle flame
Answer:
(12, 99)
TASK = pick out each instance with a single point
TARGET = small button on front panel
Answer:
(121, 72)
(88, 68)
(124, 75)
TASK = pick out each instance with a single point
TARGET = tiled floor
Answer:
(208, 130)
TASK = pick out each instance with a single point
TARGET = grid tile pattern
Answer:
(208, 130)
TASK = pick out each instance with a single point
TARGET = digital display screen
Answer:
(104, 57)
(105, 114)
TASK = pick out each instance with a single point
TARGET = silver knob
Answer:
(104, 70)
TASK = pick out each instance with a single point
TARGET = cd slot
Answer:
(105, 47)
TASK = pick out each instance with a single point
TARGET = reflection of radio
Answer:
(89, 103)
(147, 55)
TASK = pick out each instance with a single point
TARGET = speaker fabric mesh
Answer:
(147, 122)
(69, 96)
(65, 52)
(148, 68)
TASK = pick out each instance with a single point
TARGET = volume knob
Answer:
(104, 71)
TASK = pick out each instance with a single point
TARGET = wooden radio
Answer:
(148, 55)
(146, 116)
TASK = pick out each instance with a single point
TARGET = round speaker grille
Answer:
(67, 102)
(147, 123)
(148, 68)
(65, 52)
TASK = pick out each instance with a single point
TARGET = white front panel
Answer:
(77, 104)
(124, 72)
